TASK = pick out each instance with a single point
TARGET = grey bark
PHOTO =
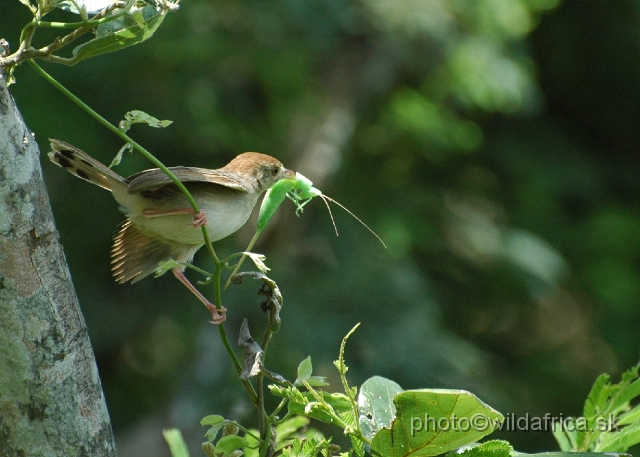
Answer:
(51, 400)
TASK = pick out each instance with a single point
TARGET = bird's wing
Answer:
(156, 178)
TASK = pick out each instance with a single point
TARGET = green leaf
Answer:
(597, 397)
(118, 158)
(375, 402)
(317, 381)
(350, 419)
(338, 401)
(212, 419)
(229, 443)
(629, 417)
(358, 446)
(176, 443)
(429, 422)
(140, 117)
(305, 369)
(138, 26)
(216, 423)
(212, 433)
(621, 440)
(628, 394)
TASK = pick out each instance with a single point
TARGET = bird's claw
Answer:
(199, 219)
(218, 315)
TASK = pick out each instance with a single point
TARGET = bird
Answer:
(160, 223)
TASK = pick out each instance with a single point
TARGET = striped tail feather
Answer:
(84, 166)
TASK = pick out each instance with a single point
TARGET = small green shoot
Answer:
(136, 117)
(140, 117)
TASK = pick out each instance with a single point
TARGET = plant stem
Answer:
(275, 412)
(264, 424)
(223, 335)
(264, 421)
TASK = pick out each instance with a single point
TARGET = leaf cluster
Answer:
(609, 423)
(379, 418)
(115, 24)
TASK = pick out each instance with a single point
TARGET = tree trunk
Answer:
(51, 400)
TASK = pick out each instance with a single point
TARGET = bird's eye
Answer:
(275, 171)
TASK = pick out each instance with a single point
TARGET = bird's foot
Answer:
(218, 315)
(199, 219)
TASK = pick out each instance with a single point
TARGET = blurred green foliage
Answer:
(493, 145)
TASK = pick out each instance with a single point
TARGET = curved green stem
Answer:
(246, 431)
(275, 412)
(232, 256)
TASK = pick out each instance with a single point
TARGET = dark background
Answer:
(493, 145)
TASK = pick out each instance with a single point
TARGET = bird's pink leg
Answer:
(199, 219)
(218, 315)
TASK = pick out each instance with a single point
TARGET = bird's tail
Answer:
(135, 255)
(84, 166)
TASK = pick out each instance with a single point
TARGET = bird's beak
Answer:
(288, 174)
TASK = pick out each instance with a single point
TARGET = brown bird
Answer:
(161, 224)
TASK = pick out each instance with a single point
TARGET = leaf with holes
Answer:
(429, 422)
(375, 402)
